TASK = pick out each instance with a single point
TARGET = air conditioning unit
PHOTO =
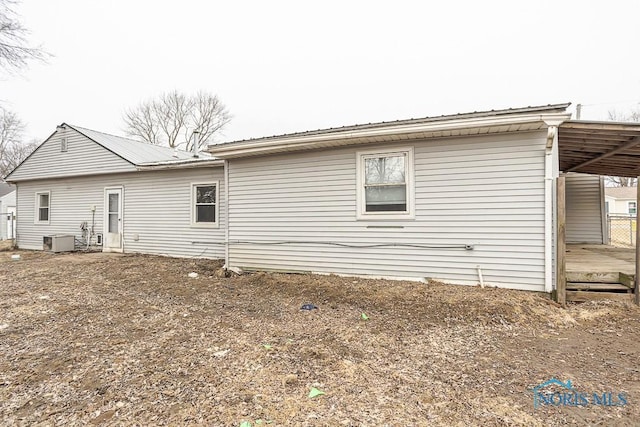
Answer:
(58, 243)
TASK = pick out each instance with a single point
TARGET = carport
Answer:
(597, 148)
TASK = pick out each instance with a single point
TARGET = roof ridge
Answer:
(105, 133)
(148, 144)
(125, 138)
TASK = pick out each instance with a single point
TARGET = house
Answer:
(489, 197)
(7, 211)
(486, 197)
(120, 194)
(621, 201)
(449, 198)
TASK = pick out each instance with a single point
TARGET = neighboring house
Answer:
(462, 198)
(621, 201)
(121, 194)
(7, 211)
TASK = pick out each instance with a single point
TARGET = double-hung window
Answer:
(632, 208)
(43, 201)
(385, 184)
(204, 205)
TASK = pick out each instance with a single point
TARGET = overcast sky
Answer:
(286, 66)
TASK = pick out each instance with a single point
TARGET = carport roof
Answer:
(600, 148)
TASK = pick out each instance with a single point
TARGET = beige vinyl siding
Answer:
(583, 208)
(157, 210)
(83, 157)
(619, 206)
(483, 191)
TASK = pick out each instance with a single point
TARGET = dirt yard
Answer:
(125, 339)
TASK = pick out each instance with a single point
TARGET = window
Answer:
(385, 184)
(204, 211)
(633, 208)
(63, 145)
(42, 207)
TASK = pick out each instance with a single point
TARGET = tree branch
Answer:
(171, 118)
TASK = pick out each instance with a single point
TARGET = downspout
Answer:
(603, 214)
(549, 176)
(226, 214)
(15, 220)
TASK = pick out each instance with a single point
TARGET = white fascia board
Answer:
(294, 143)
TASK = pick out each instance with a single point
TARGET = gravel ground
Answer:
(133, 340)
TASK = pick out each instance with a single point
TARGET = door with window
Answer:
(113, 220)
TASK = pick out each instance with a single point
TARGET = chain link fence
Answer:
(622, 230)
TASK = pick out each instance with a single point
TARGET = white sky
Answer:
(285, 66)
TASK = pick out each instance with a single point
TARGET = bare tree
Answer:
(620, 181)
(618, 116)
(16, 153)
(12, 149)
(15, 50)
(171, 118)
(631, 116)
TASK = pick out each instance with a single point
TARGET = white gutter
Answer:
(187, 164)
(293, 142)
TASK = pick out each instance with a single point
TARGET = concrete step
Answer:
(583, 296)
(588, 286)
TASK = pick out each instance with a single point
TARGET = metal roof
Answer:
(549, 108)
(600, 148)
(136, 152)
(458, 125)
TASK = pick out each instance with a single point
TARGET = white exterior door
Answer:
(11, 222)
(113, 220)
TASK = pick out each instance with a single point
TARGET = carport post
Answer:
(561, 246)
(637, 288)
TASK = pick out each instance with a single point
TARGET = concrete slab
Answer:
(600, 259)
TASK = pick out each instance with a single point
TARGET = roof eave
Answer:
(373, 135)
(186, 164)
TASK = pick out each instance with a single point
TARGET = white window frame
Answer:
(361, 212)
(635, 207)
(195, 224)
(36, 218)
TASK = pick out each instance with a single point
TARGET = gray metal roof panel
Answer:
(476, 114)
(137, 152)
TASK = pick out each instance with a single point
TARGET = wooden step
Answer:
(629, 280)
(591, 277)
(588, 286)
(583, 296)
